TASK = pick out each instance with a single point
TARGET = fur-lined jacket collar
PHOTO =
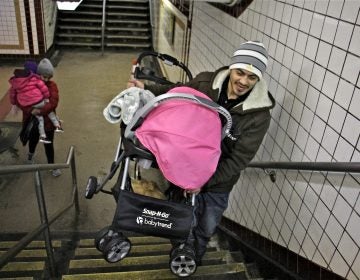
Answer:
(258, 99)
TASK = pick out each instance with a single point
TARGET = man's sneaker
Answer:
(59, 129)
(44, 140)
(56, 172)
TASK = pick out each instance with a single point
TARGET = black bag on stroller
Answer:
(152, 216)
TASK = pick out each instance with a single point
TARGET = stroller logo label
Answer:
(154, 219)
(139, 220)
(153, 223)
(156, 213)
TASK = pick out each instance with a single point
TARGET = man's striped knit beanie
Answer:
(251, 56)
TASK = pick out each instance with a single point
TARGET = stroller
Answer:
(156, 135)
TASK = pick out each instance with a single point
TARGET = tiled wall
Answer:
(26, 28)
(13, 28)
(313, 73)
(169, 21)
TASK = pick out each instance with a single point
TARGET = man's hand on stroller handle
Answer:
(135, 83)
(190, 192)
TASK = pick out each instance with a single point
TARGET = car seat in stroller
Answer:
(156, 133)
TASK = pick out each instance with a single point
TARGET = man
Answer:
(241, 89)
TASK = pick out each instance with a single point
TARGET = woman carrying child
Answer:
(45, 70)
(28, 89)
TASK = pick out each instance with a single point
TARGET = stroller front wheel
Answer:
(182, 262)
(117, 249)
(91, 187)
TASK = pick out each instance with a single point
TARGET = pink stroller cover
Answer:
(185, 139)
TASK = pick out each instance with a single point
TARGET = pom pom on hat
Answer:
(30, 65)
(45, 68)
(251, 56)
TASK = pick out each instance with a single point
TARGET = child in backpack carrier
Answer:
(28, 88)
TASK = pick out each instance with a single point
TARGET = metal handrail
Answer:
(45, 222)
(351, 167)
(152, 22)
(103, 26)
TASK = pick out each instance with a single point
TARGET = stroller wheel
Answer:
(102, 238)
(91, 187)
(117, 249)
(182, 262)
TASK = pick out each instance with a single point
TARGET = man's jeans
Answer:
(209, 208)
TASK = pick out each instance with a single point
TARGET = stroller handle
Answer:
(141, 73)
(144, 111)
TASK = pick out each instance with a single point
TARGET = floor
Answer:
(87, 82)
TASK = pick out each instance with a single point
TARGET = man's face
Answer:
(241, 81)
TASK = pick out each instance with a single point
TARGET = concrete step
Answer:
(131, 29)
(84, 12)
(128, 14)
(33, 244)
(138, 8)
(133, 2)
(78, 44)
(78, 27)
(136, 250)
(38, 253)
(87, 5)
(129, 1)
(97, 4)
(127, 21)
(136, 240)
(111, 6)
(80, 20)
(23, 266)
(22, 269)
(128, 45)
(107, 44)
(132, 37)
(78, 35)
(18, 278)
(72, 14)
(210, 272)
(98, 28)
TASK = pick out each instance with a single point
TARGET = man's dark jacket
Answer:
(251, 120)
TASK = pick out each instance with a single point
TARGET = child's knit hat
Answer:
(251, 56)
(45, 68)
(30, 65)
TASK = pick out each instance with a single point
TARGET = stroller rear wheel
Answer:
(182, 262)
(91, 187)
(116, 249)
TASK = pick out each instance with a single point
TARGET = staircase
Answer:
(148, 259)
(127, 25)
(29, 263)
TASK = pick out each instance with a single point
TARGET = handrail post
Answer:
(74, 181)
(44, 221)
